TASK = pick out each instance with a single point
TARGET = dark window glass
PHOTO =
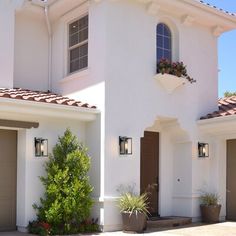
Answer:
(78, 44)
(163, 42)
(79, 58)
(160, 41)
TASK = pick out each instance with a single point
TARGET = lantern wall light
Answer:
(125, 144)
(203, 150)
(41, 147)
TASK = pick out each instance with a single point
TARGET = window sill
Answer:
(76, 75)
(169, 82)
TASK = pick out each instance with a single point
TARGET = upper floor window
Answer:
(78, 44)
(163, 42)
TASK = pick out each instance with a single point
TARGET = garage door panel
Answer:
(231, 177)
(8, 172)
(6, 214)
(8, 147)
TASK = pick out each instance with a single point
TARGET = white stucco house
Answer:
(104, 53)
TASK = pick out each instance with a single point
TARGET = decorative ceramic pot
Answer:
(210, 214)
(135, 222)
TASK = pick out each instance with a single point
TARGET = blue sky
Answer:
(227, 51)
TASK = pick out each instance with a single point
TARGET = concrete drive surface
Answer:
(221, 229)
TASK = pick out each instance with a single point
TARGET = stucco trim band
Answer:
(18, 124)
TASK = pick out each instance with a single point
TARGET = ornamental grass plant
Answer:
(209, 199)
(131, 203)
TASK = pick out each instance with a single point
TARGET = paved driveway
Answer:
(221, 229)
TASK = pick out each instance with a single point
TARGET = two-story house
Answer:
(104, 53)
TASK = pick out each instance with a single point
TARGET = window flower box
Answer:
(169, 82)
(172, 75)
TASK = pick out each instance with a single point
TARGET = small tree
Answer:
(67, 200)
(229, 94)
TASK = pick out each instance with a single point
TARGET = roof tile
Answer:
(215, 7)
(43, 97)
(227, 107)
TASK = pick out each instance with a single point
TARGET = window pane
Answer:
(167, 55)
(78, 31)
(167, 43)
(83, 35)
(163, 42)
(83, 62)
(83, 50)
(160, 29)
(79, 58)
(73, 28)
(159, 56)
(160, 41)
(73, 39)
(74, 66)
(78, 35)
(74, 54)
(166, 31)
(83, 22)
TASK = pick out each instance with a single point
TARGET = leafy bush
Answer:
(89, 226)
(209, 199)
(40, 228)
(67, 201)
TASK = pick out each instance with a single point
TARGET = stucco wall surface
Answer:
(7, 28)
(29, 167)
(31, 50)
(120, 81)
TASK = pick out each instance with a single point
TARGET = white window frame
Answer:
(69, 48)
(67, 19)
(171, 40)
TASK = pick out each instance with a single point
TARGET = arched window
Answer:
(163, 42)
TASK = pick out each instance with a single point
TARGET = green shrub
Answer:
(40, 228)
(67, 201)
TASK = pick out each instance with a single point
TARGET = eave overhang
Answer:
(218, 125)
(38, 109)
(188, 11)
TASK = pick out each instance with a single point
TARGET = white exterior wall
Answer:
(134, 99)
(31, 50)
(119, 80)
(29, 187)
(7, 28)
(87, 85)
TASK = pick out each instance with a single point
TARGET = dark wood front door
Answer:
(231, 177)
(150, 169)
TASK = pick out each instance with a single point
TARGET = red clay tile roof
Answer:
(200, 1)
(37, 96)
(215, 7)
(227, 107)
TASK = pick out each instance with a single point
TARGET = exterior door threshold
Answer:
(169, 221)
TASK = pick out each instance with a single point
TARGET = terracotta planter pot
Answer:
(210, 214)
(134, 222)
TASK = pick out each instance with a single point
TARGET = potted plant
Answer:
(210, 207)
(134, 211)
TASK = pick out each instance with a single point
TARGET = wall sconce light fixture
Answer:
(125, 144)
(41, 147)
(203, 150)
